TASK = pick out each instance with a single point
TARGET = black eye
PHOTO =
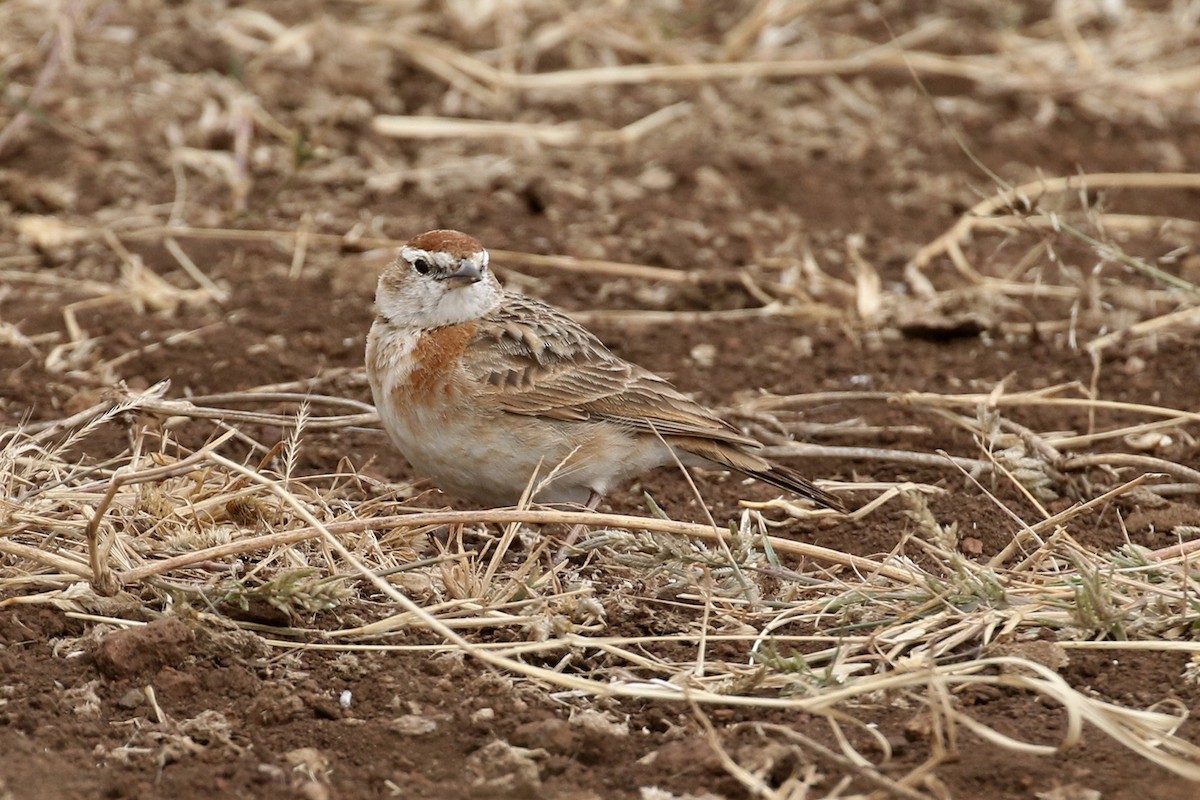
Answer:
(421, 266)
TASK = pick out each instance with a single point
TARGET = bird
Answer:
(488, 392)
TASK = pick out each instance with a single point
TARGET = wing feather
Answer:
(537, 362)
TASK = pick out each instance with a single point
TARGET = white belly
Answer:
(490, 457)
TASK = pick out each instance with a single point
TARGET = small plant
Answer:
(301, 589)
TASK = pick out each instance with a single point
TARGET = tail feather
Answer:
(726, 456)
(788, 479)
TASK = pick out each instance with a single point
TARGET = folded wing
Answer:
(538, 362)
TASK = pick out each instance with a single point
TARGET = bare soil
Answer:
(140, 124)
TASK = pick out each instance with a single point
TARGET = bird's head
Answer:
(440, 278)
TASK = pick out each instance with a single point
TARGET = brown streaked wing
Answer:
(537, 362)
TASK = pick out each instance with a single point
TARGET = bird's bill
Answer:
(467, 273)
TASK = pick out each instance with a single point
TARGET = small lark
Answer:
(484, 390)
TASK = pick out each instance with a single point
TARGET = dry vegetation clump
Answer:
(293, 143)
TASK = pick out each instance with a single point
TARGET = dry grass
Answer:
(102, 541)
(236, 518)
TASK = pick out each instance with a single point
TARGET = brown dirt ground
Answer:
(756, 171)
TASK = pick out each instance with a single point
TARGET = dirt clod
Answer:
(553, 735)
(503, 767)
(140, 651)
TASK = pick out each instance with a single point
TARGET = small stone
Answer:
(802, 347)
(919, 728)
(134, 698)
(314, 790)
(705, 355)
(599, 722)
(1134, 365)
(656, 179)
(413, 725)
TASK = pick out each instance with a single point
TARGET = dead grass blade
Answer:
(873, 625)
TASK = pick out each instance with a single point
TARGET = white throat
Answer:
(441, 305)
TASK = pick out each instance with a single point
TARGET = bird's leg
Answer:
(445, 536)
(593, 500)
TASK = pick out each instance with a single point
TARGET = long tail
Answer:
(792, 481)
(728, 456)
